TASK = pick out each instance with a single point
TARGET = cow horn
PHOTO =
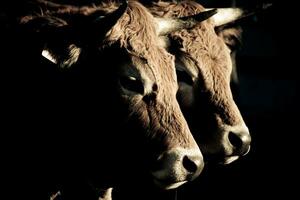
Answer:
(201, 16)
(231, 15)
(227, 15)
(167, 25)
(107, 22)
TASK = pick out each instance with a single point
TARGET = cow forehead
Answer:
(136, 32)
(200, 44)
(158, 68)
(206, 49)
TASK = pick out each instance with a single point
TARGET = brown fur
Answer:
(209, 53)
(136, 33)
(49, 8)
(157, 111)
(209, 106)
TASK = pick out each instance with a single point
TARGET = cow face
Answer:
(147, 85)
(205, 95)
(139, 81)
(204, 67)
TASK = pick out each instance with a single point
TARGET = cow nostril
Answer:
(189, 164)
(235, 140)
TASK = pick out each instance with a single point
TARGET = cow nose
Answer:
(228, 144)
(191, 163)
(240, 141)
(178, 166)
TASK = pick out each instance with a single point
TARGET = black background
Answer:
(268, 99)
(269, 103)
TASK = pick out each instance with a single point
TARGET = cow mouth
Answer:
(221, 159)
(229, 160)
(167, 184)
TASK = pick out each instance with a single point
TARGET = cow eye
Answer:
(183, 76)
(132, 84)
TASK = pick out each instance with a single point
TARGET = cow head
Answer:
(120, 59)
(204, 67)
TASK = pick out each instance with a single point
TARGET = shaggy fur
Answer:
(153, 111)
(135, 33)
(208, 52)
(209, 107)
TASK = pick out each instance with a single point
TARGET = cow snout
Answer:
(177, 167)
(236, 143)
(240, 141)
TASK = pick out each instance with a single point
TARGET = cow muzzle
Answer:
(227, 144)
(176, 167)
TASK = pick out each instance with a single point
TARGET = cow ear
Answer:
(51, 33)
(64, 57)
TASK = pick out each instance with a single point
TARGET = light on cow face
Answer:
(132, 84)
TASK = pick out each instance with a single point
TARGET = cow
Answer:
(138, 85)
(204, 68)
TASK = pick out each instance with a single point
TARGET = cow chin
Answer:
(229, 160)
(167, 181)
(165, 185)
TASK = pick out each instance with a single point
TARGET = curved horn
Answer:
(107, 22)
(167, 25)
(230, 15)
(227, 15)
(93, 27)
(201, 16)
